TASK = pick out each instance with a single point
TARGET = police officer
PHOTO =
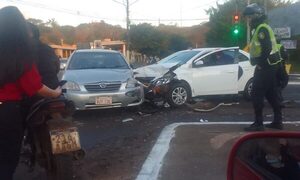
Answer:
(265, 56)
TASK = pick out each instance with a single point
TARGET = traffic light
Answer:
(236, 30)
(236, 25)
(236, 18)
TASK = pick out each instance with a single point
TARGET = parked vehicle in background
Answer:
(99, 78)
(198, 72)
(63, 63)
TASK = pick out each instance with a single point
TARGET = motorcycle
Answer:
(51, 138)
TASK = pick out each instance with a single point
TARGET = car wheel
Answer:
(178, 95)
(248, 90)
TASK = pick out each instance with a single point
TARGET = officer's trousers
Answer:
(265, 86)
(11, 135)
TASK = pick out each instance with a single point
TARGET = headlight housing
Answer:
(71, 86)
(132, 83)
(167, 78)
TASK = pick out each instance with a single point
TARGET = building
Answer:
(63, 51)
(286, 25)
(109, 44)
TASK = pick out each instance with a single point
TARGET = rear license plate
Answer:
(103, 101)
(63, 141)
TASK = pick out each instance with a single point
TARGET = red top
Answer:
(29, 83)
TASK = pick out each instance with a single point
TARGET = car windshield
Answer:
(97, 60)
(179, 57)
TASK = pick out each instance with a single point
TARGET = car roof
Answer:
(212, 49)
(97, 50)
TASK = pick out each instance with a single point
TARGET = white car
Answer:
(202, 72)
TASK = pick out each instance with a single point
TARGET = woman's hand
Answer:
(57, 92)
(50, 93)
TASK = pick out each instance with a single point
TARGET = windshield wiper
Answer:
(122, 66)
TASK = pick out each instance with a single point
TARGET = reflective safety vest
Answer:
(279, 47)
(255, 46)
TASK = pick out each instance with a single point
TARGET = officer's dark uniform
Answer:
(282, 75)
(265, 56)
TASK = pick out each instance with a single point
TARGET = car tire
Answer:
(178, 94)
(248, 89)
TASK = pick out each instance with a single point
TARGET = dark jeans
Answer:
(265, 86)
(11, 135)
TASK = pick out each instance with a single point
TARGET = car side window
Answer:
(209, 60)
(220, 58)
(241, 57)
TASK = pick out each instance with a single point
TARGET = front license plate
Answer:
(103, 101)
(65, 140)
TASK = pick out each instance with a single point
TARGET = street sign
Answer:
(283, 33)
(289, 44)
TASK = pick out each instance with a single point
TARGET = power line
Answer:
(203, 5)
(82, 14)
(61, 10)
(199, 19)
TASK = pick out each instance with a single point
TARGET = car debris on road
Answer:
(127, 120)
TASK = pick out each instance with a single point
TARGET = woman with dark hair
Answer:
(18, 77)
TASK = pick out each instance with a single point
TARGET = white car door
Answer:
(215, 74)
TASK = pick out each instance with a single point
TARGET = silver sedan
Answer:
(98, 79)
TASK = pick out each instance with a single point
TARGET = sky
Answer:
(75, 12)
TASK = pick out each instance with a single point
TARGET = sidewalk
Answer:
(194, 151)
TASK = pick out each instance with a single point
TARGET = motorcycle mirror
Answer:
(62, 82)
(265, 155)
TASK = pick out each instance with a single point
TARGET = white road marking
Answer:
(294, 83)
(151, 167)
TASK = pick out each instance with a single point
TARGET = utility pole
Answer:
(266, 6)
(127, 5)
(127, 28)
(248, 27)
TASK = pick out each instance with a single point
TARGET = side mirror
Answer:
(265, 155)
(199, 63)
(62, 66)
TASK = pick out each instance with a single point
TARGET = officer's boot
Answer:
(256, 126)
(277, 123)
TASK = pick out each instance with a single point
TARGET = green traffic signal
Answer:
(236, 31)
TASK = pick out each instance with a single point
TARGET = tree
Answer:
(147, 40)
(37, 22)
(220, 22)
(68, 34)
(153, 41)
(177, 43)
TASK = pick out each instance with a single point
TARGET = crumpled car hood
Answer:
(153, 70)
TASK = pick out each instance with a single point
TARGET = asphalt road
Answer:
(116, 150)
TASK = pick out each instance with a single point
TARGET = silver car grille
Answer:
(103, 87)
